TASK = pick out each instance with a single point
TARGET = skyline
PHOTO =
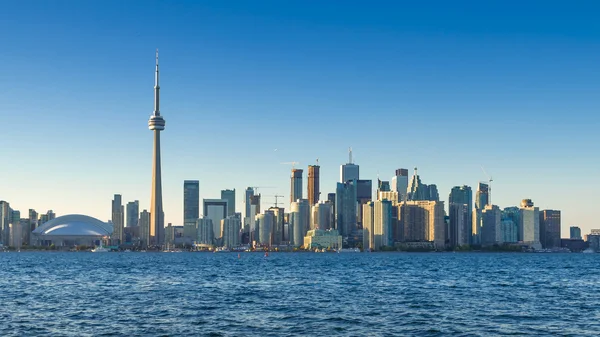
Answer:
(221, 101)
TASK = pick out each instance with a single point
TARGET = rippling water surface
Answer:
(197, 294)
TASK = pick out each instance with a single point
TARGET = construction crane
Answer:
(277, 200)
(293, 163)
(489, 183)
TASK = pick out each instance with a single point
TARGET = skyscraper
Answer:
(550, 228)
(229, 195)
(191, 201)
(529, 225)
(345, 207)
(461, 208)
(133, 212)
(230, 231)
(313, 184)
(574, 233)
(400, 183)
(118, 220)
(377, 224)
(299, 221)
(5, 219)
(296, 185)
(145, 228)
(349, 171)
(216, 210)
(156, 124)
(321, 216)
(491, 222)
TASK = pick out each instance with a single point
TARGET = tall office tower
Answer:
(265, 226)
(529, 225)
(400, 183)
(322, 216)
(364, 194)
(416, 189)
(313, 184)
(482, 197)
(144, 224)
(550, 228)
(345, 207)
(331, 197)
(5, 219)
(229, 195)
(133, 212)
(249, 193)
(432, 193)
(460, 225)
(230, 231)
(216, 210)
(383, 186)
(191, 201)
(574, 233)
(491, 220)
(509, 230)
(389, 195)
(255, 202)
(296, 185)
(299, 221)
(206, 235)
(156, 123)
(423, 221)
(118, 220)
(33, 223)
(349, 171)
(377, 224)
(277, 230)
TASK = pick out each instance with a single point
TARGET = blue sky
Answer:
(444, 86)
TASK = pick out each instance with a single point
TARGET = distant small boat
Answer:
(100, 249)
(222, 250)
(348, 250)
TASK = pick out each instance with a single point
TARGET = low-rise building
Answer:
(318, 238)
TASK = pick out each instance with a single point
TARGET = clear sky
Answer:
(447, 86)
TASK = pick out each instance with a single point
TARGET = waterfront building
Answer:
(400, 183)
(118, 220)
(313, 184)
(5, 219)
(550, 228)
(509, 231)
(133, 212)
(529, 225)
(191, 201)
(265, 223)
(230, 231)
(229, 195)
(278, 222)
(377, 224)
(346, 207)
(322, 239)
(145, 228)
(18, 232)
(190, 231)
(299, 221)
(248, 194)
(459, 227)
(575, 233)
(491, 219)
(423, 221)
(216, 210)
(296, 185)
(322, 216)
(156, 123)
(481, 200)
(205, 229)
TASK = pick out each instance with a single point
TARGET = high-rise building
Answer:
(5, 219)
(481, 200)
(377, 224)
(550, 228)
(277, 229)
(345, 207)
(509, 230)
(145, 228)
(400, 183)
(322, 216)
(529, 225)
(156, 123)
(229, 195)
(416, 189)
(296, 185)
(313, 184)
(33, 222)
(349, 171)
(364, 194)
(118, 220)
(383, 186)
(482, 197)
(265, 226)
(388, 195)
(249, 193)
(423, 221)
(575, 233)
(216, 210)
(491, 220)
(460, 225)
(255, 202)
(230, 231)
(191, 201)
(133, 212)
(299, 221)
(206, 233)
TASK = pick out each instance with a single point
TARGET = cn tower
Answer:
(156, 124)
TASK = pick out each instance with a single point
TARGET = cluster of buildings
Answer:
(401, 212)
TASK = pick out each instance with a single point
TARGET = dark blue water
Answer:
(196, 294)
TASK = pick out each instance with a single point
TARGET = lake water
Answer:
(377, 294)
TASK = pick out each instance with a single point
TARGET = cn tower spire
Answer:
(156, 89)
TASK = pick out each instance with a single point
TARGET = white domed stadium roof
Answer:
(74, 225)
